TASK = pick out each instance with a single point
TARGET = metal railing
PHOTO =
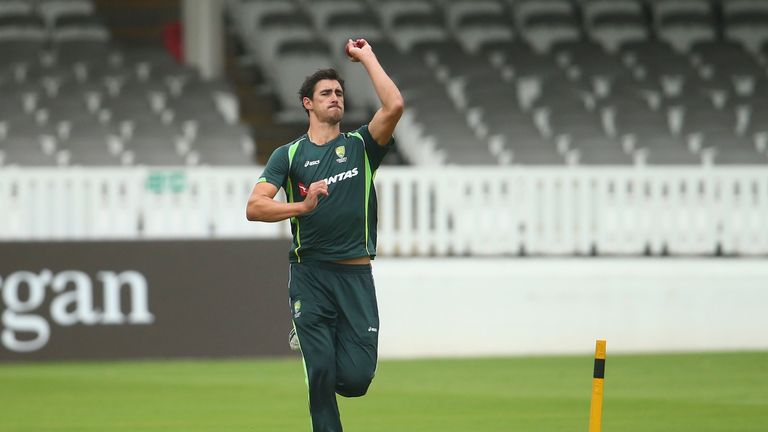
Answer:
(422, 211)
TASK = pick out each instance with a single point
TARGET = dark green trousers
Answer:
(337, 323)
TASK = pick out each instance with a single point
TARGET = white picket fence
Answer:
(435, 211)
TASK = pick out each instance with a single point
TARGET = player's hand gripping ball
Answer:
(359, 43)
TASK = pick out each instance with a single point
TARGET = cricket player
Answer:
(328, 177)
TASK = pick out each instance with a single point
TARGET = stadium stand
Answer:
(530, 82)
(539, 82)
(71, 97)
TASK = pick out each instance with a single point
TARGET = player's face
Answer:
(328, 101)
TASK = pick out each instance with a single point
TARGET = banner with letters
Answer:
(143, 299)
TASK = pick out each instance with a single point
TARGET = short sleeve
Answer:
(374, 151)
(276, 171)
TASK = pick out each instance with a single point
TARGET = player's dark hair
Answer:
(308, 87)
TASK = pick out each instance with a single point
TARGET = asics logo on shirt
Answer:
(311, 163)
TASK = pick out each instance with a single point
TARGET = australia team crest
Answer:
(341, 152)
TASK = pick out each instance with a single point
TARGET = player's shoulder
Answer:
(290, 147)
(285, 153)
(294, 143)
(357, 134)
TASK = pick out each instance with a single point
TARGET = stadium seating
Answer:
(552, 82)
(70, 97)
(542, 81)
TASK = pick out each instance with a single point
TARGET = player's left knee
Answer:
(353, 385)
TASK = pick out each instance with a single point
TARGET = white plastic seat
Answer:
(322, 10)
(389, 10)
(247, 14)
(457, 9)
(593, 9)
(51, 10)
(473, 30)
(525, 9)
(13, 7)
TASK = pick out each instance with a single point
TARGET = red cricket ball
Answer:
(357, 43)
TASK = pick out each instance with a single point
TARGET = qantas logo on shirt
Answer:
(342, 176)
(303, 189)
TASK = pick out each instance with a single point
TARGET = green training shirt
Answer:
(344, 223)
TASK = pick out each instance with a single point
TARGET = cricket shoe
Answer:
(293, 340)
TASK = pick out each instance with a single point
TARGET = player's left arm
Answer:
(382, 125)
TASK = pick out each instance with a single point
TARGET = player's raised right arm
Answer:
(263, 207)
(383, 123)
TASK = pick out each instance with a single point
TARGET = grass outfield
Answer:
(643, 393)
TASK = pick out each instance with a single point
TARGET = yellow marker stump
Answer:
(598, 378)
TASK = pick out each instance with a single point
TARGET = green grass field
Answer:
(643, 393)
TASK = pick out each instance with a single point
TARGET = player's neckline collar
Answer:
(309, 140)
